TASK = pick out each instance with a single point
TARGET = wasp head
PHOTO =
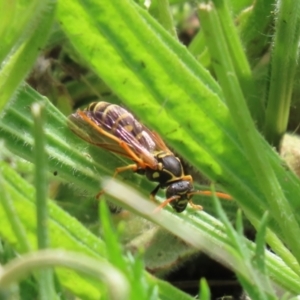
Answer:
(180, 190)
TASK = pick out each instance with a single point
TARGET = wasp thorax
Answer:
(171, 164)
(168, 169)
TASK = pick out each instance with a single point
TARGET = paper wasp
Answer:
(113, 128)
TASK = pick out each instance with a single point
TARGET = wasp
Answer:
(113, 128)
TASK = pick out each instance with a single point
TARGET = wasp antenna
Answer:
(165, 203)
(209, 193)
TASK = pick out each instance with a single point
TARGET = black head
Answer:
(182, 189)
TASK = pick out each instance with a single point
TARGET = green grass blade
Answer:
(16, 224)
(165, 17)
(255, 26)
(252, 142)
(15, 68)
(187, 102)
(240, 62)
(66, 233)
(204, 290)
(283, 69)
(117, 284)
(45, 278)
(209, 236)
(212, 145)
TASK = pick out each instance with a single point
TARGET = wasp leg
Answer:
(133, 156)
(153, 193)
(195, 206)
(132, 167)
(165, 203)
(117, 171)
(187, 178)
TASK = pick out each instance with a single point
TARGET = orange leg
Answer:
(165, 203)
(125, 168)
(187, 178)
(133, 156)
(153, 193)
(117, 171)
(195, 206)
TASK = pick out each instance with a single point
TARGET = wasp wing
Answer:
(109, 130)
(88, 133)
